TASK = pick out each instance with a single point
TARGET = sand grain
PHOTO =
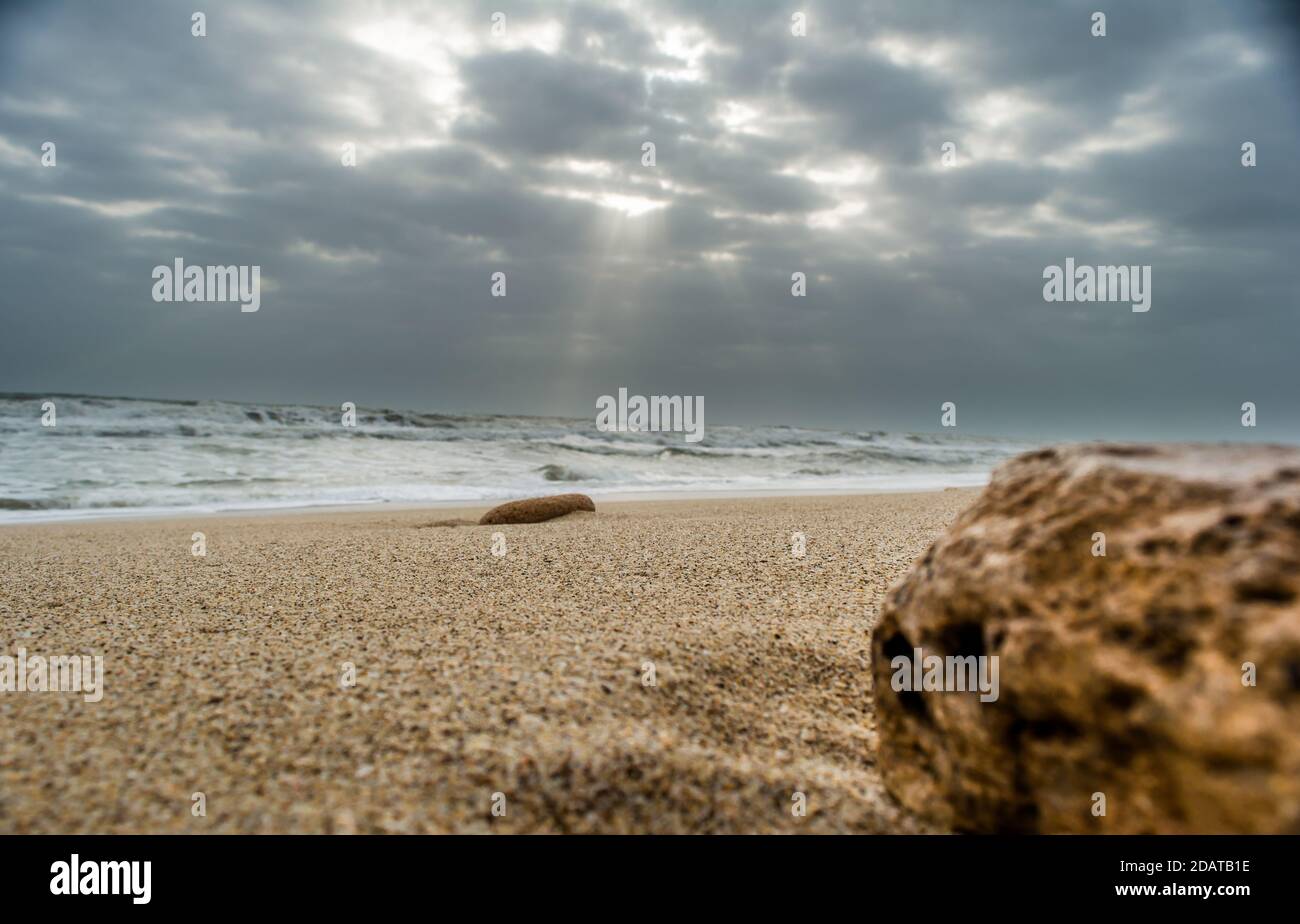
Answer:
(476, 674)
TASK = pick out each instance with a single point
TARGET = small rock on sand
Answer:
(537, 509)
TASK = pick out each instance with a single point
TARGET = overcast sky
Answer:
(775, 154)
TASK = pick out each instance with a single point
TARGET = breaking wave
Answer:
(124, 455)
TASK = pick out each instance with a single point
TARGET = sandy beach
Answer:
(523, 674)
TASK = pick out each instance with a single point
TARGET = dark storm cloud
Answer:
(873, 105)
(775, 154)
(546, 104)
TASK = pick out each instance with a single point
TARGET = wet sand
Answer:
(516, 682)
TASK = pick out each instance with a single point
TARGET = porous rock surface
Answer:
(1120, 674)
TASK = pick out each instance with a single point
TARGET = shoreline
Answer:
(149, 514)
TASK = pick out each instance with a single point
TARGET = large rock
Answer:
(537, 509)
(1122, 674)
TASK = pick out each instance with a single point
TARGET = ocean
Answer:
(127, 456)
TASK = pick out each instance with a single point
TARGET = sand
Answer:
(521, 675)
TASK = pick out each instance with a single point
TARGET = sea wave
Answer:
(134, 455)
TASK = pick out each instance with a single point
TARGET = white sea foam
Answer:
(115, 456)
